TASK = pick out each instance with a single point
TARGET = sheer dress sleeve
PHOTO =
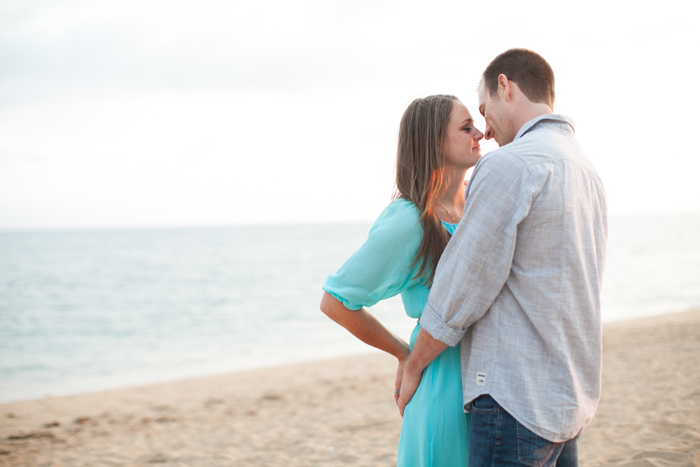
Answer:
(381, 268)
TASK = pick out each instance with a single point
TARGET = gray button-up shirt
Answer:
(519, 283)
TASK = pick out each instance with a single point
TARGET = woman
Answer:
(437, 144)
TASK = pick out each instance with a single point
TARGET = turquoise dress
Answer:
(435, 430)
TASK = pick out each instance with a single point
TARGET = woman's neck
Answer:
(452, 198)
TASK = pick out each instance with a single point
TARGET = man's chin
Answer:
(500, 144)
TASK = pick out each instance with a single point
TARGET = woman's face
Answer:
(462, 148)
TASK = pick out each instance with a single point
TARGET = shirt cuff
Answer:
(432, 322)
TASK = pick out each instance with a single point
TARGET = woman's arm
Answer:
(365, 327)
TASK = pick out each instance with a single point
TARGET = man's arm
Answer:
(475, 264)
(425, 350)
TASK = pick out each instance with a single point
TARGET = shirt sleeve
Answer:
(381, 268)
(476, 263)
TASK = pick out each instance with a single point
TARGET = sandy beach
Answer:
(341, 412)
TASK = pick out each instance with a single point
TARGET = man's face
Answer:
(490, 109)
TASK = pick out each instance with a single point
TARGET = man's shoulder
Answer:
(537, 159)
(537, 147)
(523, 156)
(504, 157)
(497, 170)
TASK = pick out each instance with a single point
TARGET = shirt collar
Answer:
(549, 117)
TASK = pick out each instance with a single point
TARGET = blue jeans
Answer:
(497, 439)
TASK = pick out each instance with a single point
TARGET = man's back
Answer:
(523, 272)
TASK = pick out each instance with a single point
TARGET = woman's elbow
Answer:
(334, 308)
(327, 303)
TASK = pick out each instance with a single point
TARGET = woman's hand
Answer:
(425, 350)
(408, 386)
(399, 378)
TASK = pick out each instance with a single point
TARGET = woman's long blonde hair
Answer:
(420, 164)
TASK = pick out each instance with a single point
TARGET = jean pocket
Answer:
(485, 404)
(533, 449)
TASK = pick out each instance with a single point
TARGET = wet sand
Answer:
(341, 412)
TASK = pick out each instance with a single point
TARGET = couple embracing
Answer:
(504, 365)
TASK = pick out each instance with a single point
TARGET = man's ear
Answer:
(504, 87)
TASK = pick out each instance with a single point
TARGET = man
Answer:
(519, 283)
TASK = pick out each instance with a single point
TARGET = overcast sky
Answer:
(162, 113)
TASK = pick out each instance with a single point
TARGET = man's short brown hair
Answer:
(527, 69)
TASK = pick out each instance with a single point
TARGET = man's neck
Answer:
(521, 110)
(529, 112)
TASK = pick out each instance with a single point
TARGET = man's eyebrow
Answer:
(481, 110)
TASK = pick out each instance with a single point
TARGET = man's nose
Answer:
(488, 133)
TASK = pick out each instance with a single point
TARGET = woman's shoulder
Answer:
(401, 214)
(400, 220)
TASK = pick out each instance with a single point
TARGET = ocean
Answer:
(91, 310)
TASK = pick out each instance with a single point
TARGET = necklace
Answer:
(448, 212)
